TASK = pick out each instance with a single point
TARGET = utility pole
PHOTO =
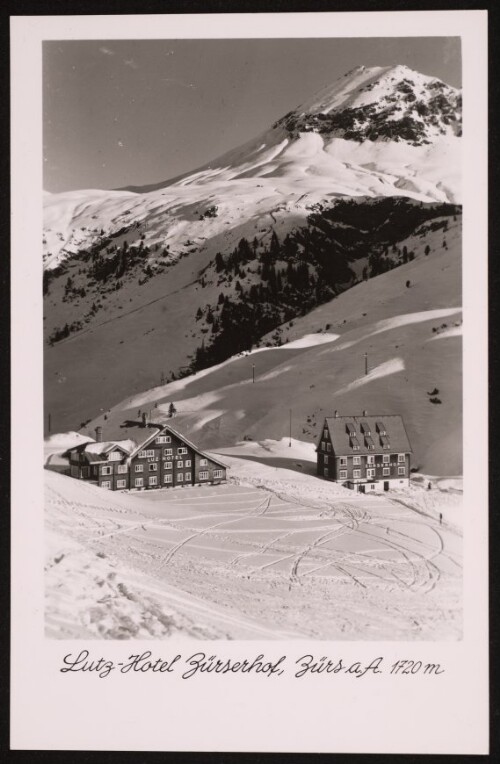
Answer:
(290, 437)
(50, 422)
(366, 363)
(253, 373)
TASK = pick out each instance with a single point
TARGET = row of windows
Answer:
(371, 459)
(370, 473)
(167, 478)
(150, 452)
(153, 480)
(119, 484)
(166, 465)
(122, 470)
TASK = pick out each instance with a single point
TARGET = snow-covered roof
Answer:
(387, 434)
(102, 447)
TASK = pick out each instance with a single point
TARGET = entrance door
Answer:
(386, 485)
(361, 489)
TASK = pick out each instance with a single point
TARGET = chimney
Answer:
(98, 434)
(365, 412)
(144, 418)
(336, 413)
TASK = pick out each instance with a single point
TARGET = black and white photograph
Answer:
(250, 349)
(253, 358)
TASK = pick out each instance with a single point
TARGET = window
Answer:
(372, 487)
(343, 461)
(356, 460)
(325, 472)
(106, 484)
(180, 477)
(188, 476)
(188, 462)
(401, 458)
(325, 459)
(323, 445)
(386, 471)
(139, 468)
(167, 465)
(328, 447)
(115, 456)
(385, 458)
(370, 460)
(182, 450)
(203, 475)
(179, 464)
(106, 470)
(325, 434)
(142, 454)
(342, 474)
(167, 478)
(370, 473)
(153, 480)
(168, 452)
(218, 474)
(164, 439)
(85, 472)
(74, 472)
(401, 470)
(122, 469)
(153, 467)
(203, 462)
(356, 473)
(121, 483)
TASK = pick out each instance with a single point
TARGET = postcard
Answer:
(250, 363)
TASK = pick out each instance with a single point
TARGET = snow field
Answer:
(272, 552)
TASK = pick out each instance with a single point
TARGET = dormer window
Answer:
(370, 445)
(354, 443)
(365, 428)
(350, 429)
(384, 442)
(380, 428)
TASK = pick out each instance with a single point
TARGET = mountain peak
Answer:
(380, 103)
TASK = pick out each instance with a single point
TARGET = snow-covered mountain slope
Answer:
(382, 131)
(411, 335)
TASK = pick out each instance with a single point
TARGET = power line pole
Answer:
(366, 363)
(253, 373)
(290, 437)
(50, 422)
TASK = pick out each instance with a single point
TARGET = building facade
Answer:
(103, 463)
(165, 459)
(366, 453)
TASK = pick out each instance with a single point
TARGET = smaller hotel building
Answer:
(365, 453)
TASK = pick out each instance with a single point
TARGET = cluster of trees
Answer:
(117, 261)
(61, 333)
(211, 212)
(307, 268)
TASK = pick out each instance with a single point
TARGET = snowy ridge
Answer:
(383, 131)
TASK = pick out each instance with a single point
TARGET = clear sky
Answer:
(133, 112)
